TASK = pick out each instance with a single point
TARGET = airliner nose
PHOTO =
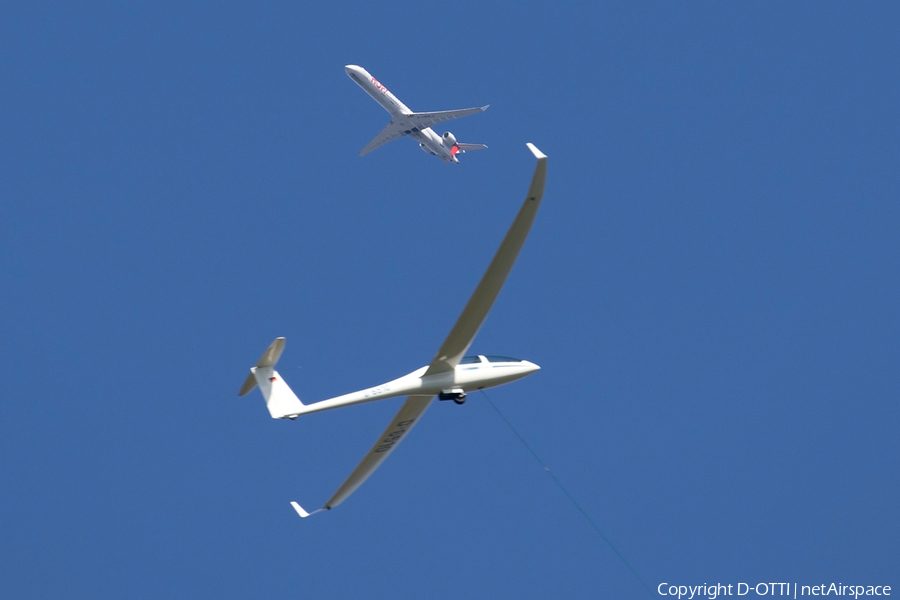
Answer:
(356, 73)
(531, 366)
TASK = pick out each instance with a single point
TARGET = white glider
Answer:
(449, 375)
(415, 125)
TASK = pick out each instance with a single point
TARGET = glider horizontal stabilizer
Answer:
(280, 399)
(269, 358)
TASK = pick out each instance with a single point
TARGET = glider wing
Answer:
(400, 425)
(473, 315)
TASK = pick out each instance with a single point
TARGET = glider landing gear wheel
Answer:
(458, 395)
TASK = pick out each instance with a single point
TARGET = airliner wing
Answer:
(473, 315)
(402, 422)
(430, 119)
(390, 133)
(469, 147)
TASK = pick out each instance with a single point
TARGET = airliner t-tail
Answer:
(449, 375)
(415, 125)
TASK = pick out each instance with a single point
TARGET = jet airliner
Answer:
(449, 376)
(405, 122)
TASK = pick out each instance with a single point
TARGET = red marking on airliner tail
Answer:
(272, 378)
(454, 150)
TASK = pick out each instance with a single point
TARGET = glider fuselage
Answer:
(467, 376)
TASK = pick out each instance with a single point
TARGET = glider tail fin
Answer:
(280, 399)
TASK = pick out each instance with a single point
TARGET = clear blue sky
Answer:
(711, 288)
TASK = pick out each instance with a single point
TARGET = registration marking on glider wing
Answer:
(449, 376)
(405, 122)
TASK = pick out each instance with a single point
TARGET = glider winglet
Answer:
(534, 150)
(303, 514)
